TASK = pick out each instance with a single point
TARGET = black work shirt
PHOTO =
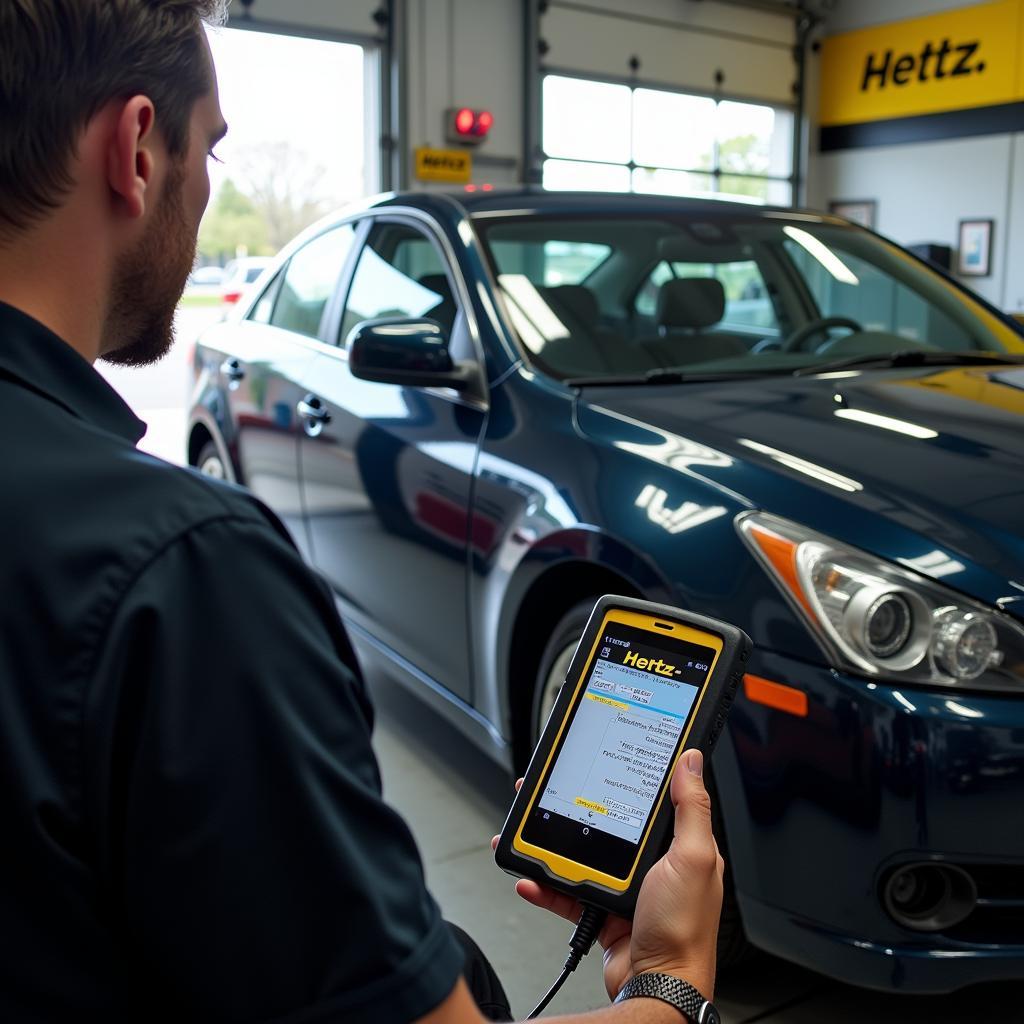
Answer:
(191, 822)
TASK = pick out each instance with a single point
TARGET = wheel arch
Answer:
(544, 588)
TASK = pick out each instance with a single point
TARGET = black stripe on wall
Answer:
(952, 124)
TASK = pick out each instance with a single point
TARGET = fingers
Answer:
(548, 899)
(519, 784)
(693, 807)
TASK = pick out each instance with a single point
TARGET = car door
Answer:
(387, 476)
(276, 341)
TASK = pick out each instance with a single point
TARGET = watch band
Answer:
(680, 994)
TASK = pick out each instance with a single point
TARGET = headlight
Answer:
(879, 619)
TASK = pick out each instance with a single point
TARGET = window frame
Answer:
(364, 222)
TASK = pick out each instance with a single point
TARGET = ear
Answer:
(130, 157)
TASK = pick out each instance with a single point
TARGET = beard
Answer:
(149, 281)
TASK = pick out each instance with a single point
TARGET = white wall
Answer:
(678, 44)
(344, 16)
(468, 53)
(923, 189)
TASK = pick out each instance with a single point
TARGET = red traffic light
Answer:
(469, 126)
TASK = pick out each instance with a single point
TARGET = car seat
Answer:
(687, 307)
(590, 346)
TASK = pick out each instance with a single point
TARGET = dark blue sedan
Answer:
(478, 413)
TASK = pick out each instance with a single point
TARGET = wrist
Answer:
(700, 975)
(678, 993)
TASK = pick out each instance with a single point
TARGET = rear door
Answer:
(275, 343)
(387, 480)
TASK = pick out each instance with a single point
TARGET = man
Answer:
(192, 820)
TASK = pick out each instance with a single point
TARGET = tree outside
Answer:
(275, 192)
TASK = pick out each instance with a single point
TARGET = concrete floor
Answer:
(455, 800)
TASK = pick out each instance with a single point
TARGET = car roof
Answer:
(533, 199)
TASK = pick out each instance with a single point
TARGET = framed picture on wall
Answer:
(860, 211)
(974, 251)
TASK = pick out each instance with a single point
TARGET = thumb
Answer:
(692, 803)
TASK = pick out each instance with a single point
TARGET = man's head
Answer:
(108, 111)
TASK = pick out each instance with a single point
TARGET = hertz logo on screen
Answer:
(658, 665)
(949, 75)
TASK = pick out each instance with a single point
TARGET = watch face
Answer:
(709, 1015)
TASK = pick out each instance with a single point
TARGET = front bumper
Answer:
(818, 809)
(928, 968)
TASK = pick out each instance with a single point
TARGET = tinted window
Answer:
(730, 292)
(309, 279)
(876, 300)
(400, 274)
(551, 262)
(264, 306)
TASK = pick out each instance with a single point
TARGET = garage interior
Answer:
(589, 95)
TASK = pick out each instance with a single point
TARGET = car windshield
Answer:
(604, 296)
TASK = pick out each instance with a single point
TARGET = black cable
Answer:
(583, 938)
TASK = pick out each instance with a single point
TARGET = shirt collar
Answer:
(33, 355)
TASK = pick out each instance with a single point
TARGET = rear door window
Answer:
(309, 281)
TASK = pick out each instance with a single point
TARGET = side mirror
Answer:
(413, 353)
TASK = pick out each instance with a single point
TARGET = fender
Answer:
(585, 546)
(210, 411)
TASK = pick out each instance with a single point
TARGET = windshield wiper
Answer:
(911, 357)
(667, 376)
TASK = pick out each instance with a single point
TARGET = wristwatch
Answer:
(680, 994)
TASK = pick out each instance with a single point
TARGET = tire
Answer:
(210, 462)
(554, 663)
(733, 946)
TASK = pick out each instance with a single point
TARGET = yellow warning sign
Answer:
(453, 165)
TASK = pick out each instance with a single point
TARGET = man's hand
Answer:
(675, 929)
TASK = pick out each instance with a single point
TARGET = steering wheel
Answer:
(794, 343)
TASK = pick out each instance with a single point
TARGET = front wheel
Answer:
(554, 664)
(210, 463)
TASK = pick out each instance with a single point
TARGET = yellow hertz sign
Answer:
(926, 69)
(452, 165)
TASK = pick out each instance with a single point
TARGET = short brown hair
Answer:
(62, 61)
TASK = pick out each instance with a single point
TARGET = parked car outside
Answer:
(239, 274)
(478, 413)
(206, 277)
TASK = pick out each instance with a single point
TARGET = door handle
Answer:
(232, 369)
(313, 415)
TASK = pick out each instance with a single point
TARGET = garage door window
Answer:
(598, 136)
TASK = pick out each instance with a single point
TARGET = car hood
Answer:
(935, 453)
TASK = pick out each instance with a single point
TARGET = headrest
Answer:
(691, 302)
(578, 301)
(437, 283)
